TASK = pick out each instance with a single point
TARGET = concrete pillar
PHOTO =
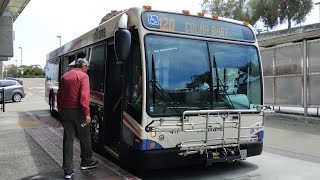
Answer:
(6, 39)
(6, 36)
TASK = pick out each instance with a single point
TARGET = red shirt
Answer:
(74, 91)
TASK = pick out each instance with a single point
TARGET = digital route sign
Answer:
(193, 25)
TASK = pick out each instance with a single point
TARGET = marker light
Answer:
(137, 140)
(152, 144)
(185, 12)
(147, 7)
(200, 13)
(215, 16)
(246, 23)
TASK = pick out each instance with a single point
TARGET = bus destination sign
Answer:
(196, 26)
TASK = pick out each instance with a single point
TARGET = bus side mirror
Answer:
(122, 44)
(122, 38)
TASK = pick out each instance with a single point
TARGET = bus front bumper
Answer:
(169, 158)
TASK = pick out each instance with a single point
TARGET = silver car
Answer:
(13, 90)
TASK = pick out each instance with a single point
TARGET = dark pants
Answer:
(71, 122)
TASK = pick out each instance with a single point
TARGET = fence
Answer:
(292, 75)
(2, 101)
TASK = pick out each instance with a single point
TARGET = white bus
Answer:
(169, 89)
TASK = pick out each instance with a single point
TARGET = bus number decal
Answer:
(167, 24)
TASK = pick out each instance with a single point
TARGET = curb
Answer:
(294, 118)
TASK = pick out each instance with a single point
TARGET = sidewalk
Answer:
(312, 111)
(31, 148)
(295, 114)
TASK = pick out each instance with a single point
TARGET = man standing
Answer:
(73, 103)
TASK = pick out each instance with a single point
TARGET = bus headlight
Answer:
(153, 134)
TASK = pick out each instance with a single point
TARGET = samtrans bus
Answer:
(169, 89)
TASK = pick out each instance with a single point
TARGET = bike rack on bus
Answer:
(2, 101)
(203, 145)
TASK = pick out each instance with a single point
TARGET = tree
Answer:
(294, 10)
(267, 10)
(273, 12)
(11, 71)
(216, 7)
(233, 9)
(32, 71)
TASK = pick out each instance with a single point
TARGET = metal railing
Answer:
(2, 100)
(212, 121)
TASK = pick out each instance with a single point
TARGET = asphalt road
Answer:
(291, 148)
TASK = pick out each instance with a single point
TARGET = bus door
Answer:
(113, 98)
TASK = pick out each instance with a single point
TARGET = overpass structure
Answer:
(291, 65)
(9, 12)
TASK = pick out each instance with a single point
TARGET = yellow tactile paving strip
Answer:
(27, 123)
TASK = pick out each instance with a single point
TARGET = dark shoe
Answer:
(89, 164)
(68, 175)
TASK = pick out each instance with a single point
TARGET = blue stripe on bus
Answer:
(260, 135)
(145, 144)
(129, 138)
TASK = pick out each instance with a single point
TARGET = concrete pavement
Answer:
(20, 156)
(31, 143)
(31, 148)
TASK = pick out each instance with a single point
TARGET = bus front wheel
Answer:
(97, 133)
(51, 102)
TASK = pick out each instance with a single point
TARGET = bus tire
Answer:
(97, 133)
(129, 161)
(124, 157)
(51, 102)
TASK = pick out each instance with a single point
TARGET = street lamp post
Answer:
(60, 39)
(318, 3)
(21, 60)
(6, 71)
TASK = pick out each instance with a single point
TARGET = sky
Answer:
(38, 26)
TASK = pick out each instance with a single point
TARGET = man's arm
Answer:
(85, 97)
(59, 95)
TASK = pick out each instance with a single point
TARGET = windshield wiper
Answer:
(221, 87)
(153, 81)
(163, 94)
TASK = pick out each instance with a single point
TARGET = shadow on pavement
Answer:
(215, 170)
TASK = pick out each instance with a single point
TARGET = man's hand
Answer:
(87, 120)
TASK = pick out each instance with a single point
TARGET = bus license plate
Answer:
(243, 154)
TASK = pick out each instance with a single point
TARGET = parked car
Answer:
(13, 90)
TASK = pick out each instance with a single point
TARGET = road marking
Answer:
(36, 88)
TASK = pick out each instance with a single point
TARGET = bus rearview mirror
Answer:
(122, 44)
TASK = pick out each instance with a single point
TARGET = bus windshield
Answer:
(186, 74)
